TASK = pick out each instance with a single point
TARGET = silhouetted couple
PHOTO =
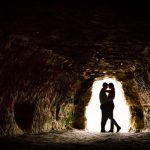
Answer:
(107, 106)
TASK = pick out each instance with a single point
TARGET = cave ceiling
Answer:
(108, 36)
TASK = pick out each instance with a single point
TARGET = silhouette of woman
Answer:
(111, 97)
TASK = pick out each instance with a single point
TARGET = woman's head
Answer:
(111, 85)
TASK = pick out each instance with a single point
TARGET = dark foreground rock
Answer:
(78, 140)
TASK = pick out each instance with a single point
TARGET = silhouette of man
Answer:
(107, 107)
(103, 101)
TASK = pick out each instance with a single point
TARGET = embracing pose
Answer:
(107, 106)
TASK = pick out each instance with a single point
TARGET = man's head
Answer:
(105, 85)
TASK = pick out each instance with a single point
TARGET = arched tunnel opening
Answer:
(121, 110)
(129, 112)
(23, 112)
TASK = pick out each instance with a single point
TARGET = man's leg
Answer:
(111, 116)
(104, 118)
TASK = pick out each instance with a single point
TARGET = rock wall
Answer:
(37, 91)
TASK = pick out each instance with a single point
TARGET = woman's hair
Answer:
(112, 91)
(111, 85)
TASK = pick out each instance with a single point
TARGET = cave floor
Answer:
(77, 140)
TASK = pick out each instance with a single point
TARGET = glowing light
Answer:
(121, 110)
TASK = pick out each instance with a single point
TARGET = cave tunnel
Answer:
(128, 113)
(121, 111)
(54, 57)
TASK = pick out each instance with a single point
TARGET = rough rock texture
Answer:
(50, 56)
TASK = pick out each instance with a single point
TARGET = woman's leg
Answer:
(113, 121)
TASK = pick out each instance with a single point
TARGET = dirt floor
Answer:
(77, 140)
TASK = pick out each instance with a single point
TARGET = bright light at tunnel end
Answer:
(121, 110)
